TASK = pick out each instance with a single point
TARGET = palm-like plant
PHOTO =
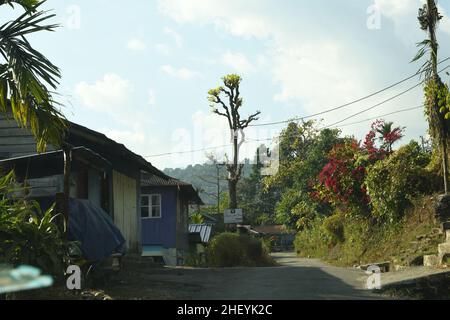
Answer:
(389, 135)
(439, 127)
(25, 75)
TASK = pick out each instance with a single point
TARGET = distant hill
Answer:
(204, 177)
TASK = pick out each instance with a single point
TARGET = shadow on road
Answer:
(294, 279)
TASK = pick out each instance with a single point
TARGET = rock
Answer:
(442, 208)
(431, 260)
(447, 235)
(443, 248)
(399, 267)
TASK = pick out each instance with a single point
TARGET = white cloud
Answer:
(181, 73)
(127, 137)
(314, 71)
(139, 139)
(305, 72)
(114, 97)
(176, 36)
(237, 61)
(136, 44)
(403, 14)
(108, 93)
(151, 97)
(226, 15)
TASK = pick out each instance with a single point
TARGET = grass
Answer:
(403, 243)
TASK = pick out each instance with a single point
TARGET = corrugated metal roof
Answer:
(79, 130)
(150, 180)
(203, 229)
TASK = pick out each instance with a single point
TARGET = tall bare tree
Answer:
(438, 125)
(226, 102)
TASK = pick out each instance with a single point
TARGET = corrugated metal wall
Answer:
(125, 209)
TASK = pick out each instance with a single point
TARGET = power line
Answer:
(380, 116)
(346, 104)
(347, 124)
(320, 113)
(187, 151)
(383, 102)
(271, 139)
(375, 106)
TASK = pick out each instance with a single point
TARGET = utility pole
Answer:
(218, 165)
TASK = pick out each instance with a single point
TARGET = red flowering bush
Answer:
(341, 181)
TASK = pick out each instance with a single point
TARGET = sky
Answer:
(139, 71)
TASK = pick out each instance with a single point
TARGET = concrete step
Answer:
(431, 260)
(443, 249)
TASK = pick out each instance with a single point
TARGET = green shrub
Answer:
(28, 235)
(231, 249)
(313, 241)
(395, 181)
(334, 225)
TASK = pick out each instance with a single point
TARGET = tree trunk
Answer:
(445, 164)
(232, 186)
(233, 179)
(66, 195)
(431, 7)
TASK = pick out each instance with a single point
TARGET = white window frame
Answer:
(151, 205)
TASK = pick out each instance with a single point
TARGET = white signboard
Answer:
(233, 216)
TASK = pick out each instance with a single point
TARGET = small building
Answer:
(104, 172)
(282, 238)
(199, 237)
(164, 210)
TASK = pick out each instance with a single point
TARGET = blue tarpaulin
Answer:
(94, 228)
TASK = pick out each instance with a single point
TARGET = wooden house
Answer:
(103, 171)
(165, 214)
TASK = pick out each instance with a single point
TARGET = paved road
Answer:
(294, 279)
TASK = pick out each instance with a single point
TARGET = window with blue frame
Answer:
(150, 206)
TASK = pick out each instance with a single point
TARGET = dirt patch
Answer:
(140, 279)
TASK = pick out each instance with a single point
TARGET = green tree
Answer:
(303, 153)
(258, 204)
(231, 111)
(25, 75)
(394, 182)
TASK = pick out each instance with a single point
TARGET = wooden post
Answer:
(67, 151)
